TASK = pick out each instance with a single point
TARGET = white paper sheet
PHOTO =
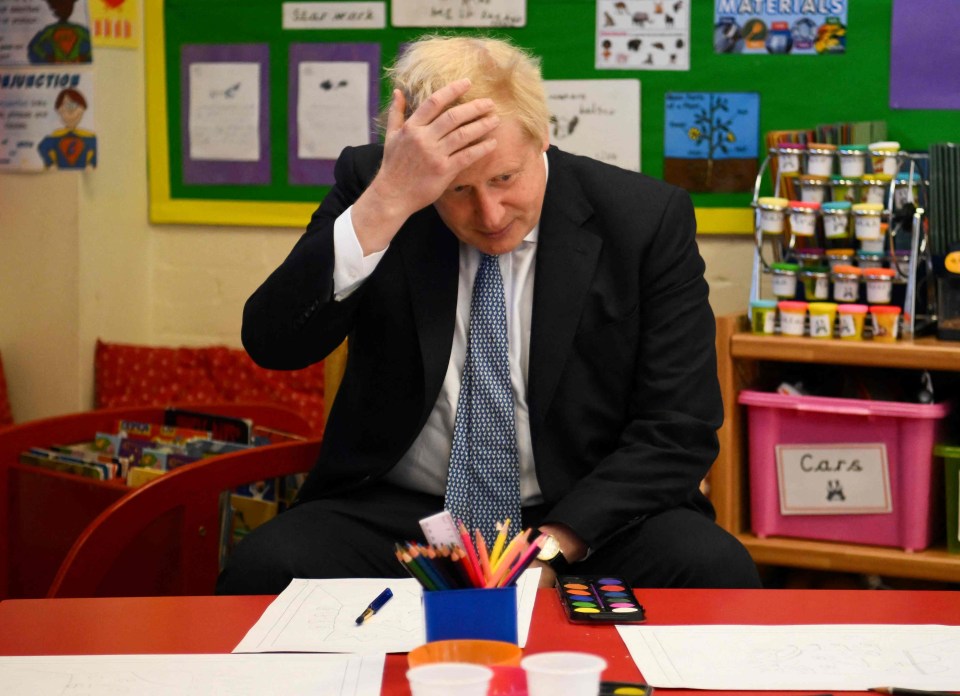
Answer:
(225, 111)
(320, 616)
(193, 675)
(332, 107)
(802, 658)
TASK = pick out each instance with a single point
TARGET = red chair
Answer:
(164, 537)
(43, 512)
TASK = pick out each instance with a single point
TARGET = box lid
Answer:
(850, 407)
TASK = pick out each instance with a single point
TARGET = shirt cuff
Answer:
(350, 267)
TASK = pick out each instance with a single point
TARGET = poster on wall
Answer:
(643, 35)
(458, 13)
(44, 32)
(596, 118)
(225, 122)
(797, 27)
(115, 23)
(47, 120)
(710, 140)
(924, 55)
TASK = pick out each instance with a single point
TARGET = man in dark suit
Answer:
(611, 339)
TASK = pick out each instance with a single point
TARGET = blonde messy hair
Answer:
(497, 69)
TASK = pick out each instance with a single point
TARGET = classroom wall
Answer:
(80, 261)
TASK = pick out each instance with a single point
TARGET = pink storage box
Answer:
(908, 433)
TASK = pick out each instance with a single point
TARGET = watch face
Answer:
(551, 547)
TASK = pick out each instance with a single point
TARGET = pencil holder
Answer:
(481, 613)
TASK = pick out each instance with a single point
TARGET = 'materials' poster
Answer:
(798, 27)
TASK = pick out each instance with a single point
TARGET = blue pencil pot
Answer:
(482, 614)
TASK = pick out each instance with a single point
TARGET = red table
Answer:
(154, 625)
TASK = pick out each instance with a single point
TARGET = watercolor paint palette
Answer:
(598, 599)
(624, 689)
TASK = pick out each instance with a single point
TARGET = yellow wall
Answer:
(80, 261)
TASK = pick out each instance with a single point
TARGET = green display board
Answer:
(796, 92)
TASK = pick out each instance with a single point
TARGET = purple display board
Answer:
(209, 171)
(320, 171)
(925, 55)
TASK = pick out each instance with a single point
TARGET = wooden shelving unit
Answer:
(739, 354)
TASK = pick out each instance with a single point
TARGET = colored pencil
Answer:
(519, 540)
(429, 570)
(503, 567)
(414, 569)
(476, 571)
(499, 542)
(484, 556)
(526, 558)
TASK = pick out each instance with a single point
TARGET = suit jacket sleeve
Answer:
(292, 321)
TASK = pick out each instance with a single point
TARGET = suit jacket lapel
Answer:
(567, 253)
(431, 258)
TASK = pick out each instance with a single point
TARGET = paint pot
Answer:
(846, 283)
(803, 218)
(844, 188)
(816, 283)
(884, 157)
(822, 317)
(820, 158)
(784, 280)
(772, 213)
(874, 187)
(836, 219)
(879, 284)
(813, 187)
(866, 220)
(853, 160)
(793, 315)
(789, 156)
(886, 322)
(904, 191)
(763, 317)
(839, 257)
(870, 259)
(809, 258)
(850, 321)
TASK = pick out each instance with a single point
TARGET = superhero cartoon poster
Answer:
(795, 27)
(47, 119)
(45, 32)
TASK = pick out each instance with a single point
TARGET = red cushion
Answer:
(6, 417)
(133, 375)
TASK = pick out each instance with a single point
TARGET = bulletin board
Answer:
(796, 92)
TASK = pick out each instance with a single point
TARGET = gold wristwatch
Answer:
(551, 554)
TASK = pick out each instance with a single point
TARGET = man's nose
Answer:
(489, 209)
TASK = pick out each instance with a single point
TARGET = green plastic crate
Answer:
(951, 465)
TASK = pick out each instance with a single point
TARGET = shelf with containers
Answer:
(748, 362)
(842, 242)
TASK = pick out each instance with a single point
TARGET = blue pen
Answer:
(375, 605)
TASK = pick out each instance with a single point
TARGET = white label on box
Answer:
(833, 479)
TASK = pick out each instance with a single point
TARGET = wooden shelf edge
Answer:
(930, 564)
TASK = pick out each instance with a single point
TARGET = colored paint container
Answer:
(793, 316)
(822, 317)
(853, 159)
(816, 283)
(836, 219)
(813, 187)
(772, 213)
(874, 187)
(879, 284)
(820, 158)
(866, 220)
(886, 322)
(789, 156)
(784, 280)
(803, 218)
(884, 157)
(905, 189)
(809, 258)
(844, 188)
(763, 317)
(846, 283)
(869, 259)
(839, 257)
(850, 321)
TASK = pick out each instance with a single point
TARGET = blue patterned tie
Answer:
(483, 483)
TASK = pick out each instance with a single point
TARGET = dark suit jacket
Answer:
(623, 393)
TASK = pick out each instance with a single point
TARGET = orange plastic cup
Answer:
(492, 653)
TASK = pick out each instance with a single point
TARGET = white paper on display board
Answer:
(596, 118)
(35, 134)
(458, 13)
(643, 35)
(333, 108)
(224, 114)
